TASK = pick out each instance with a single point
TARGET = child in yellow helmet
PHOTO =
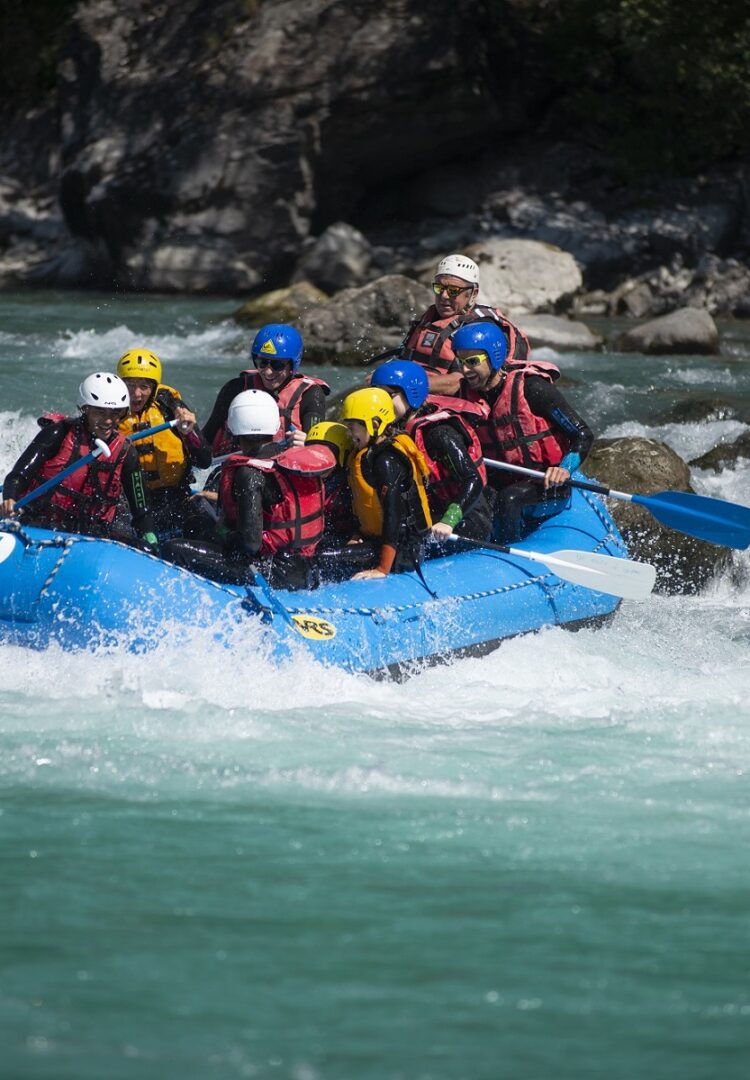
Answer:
(387, 478)
(340, 522)
(168, 457)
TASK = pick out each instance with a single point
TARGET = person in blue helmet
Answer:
(443, 430)
(276, 354)
(528, 423)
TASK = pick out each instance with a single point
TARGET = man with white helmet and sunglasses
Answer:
(428, 339)
(86, 500)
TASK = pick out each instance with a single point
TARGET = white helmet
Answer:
(459, 266)
(104, 390)
(253, 412)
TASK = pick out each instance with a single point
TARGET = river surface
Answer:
(530, 865)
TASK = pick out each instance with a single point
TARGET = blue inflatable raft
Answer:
(85, 593)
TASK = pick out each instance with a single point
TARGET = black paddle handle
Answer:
(589, 485)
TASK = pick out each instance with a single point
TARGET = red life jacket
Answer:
(296, 522)
(428, 339)
(442, 486)
(89, 494)
(289, 399)
(512, 432)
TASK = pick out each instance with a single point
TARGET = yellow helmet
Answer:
(368, 406)
(139, 364)
(336, 435)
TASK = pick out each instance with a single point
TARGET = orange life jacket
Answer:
(365, 498)
(162, 457)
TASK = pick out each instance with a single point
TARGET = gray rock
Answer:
(524, 276)
(202, 144)
(556, 332)
(634, 298)
(695, 409)
(687, 331)
(357, 324)
(281, 305)
(339, 259)
(720, 286)
(725, 454)
(643, 467)
(609, 239)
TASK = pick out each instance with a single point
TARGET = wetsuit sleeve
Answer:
(312, 407)
(218, 416)
(135, 492)
(26, 470)
(392, 476)
(446, 445)
(197, 450)
(248, 491)
(546, 400)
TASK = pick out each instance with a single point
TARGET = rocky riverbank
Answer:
(238, 147)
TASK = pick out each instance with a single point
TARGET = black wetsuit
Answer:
(404, 526)
(45, 445)
(520, 505)
(312, 407)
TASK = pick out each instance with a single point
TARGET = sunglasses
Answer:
(473, 361)
(267, 362)
(452, 290)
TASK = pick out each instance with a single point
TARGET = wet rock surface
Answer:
(644, 467)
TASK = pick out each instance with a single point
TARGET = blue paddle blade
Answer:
(719, 522)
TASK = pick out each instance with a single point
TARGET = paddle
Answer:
(101, 448)
(715, 520)
(603, 573)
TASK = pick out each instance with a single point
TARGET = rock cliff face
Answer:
(201, 143)
(210, 145)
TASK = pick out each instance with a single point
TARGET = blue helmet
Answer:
(409, 377)
(484, 337)
(280, 342)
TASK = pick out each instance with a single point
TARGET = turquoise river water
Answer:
(530, 865)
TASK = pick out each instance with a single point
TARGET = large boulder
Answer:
(525, 276)
(643, 467)
(281, 305)
(556, 332)
(339, 259)
(358, 324)
(686, 331)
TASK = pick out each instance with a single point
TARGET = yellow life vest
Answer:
(365, 498)
(162, 457)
